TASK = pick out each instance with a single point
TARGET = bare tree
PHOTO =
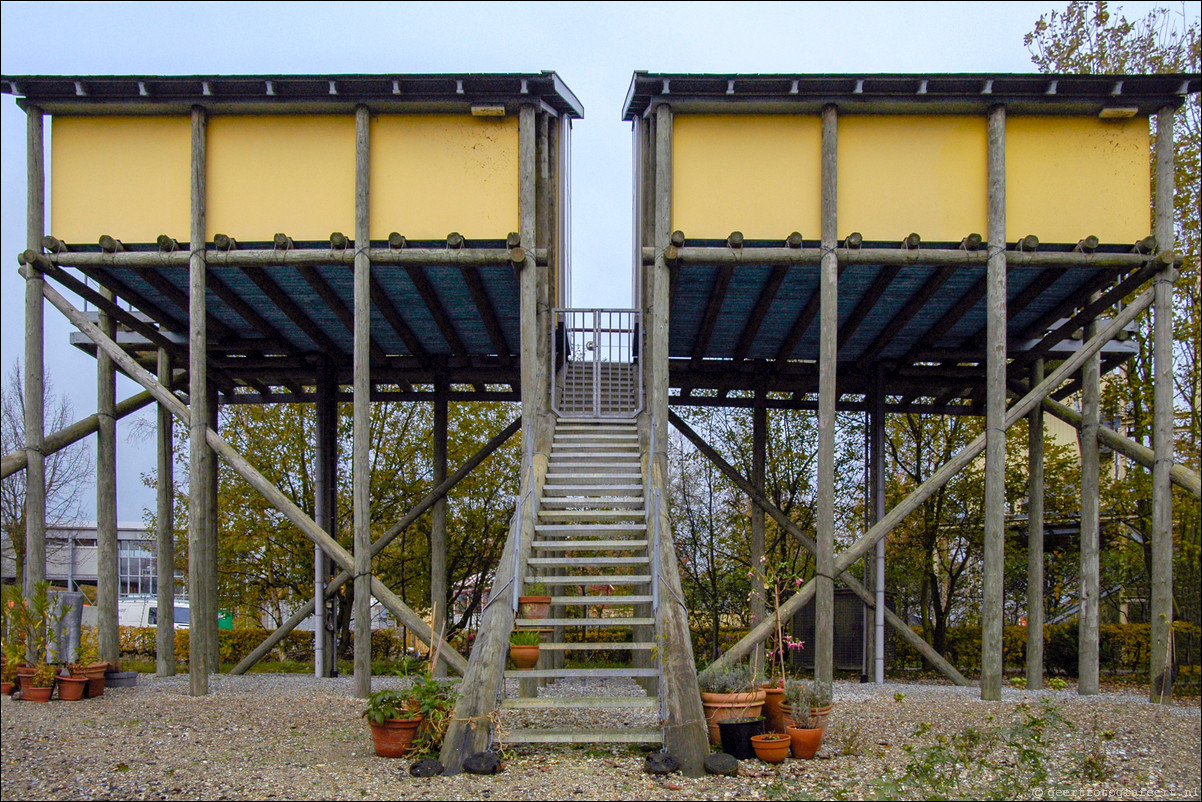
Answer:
(68, 471)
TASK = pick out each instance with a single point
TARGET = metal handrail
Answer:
(595, 330)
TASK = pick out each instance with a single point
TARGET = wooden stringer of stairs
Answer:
(591, 550)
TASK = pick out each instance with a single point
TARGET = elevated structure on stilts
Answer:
(881, 243)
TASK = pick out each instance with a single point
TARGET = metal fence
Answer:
(595, 354)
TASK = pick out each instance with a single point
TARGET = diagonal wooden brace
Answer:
(778, 515)
(957, 463)
(248, 472)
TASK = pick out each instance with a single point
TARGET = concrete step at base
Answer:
(582, 702)
(629, 735)
(592, 673)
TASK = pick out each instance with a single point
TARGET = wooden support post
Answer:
(325, 510)
(656, 387)
(765, 629)
(824, 605)
(407, 520)
(759, 443)
(107, 637)
(1161, 653)
(208, 617)
(34, 570)
(438, 521)
(253, 477)
(164, 529)
(876, 450)
(942, 476)
(1035, 538)
(995, 412)
(360, 459)
(1090, 526)
(198, 397)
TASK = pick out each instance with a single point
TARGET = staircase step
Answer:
(582, 622)
(589, 515)
(592, 474)
(592, 673)
(599, 600)
(588, 437)
(586, 562)
(626, 735)
(589, 702)
(600, 647)
(577, 421)
(589, 545)
(584, 529)
(617, 580)
(606, 491)
(615, 457)
(609, 502)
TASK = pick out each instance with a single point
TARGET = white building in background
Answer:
(71, 558)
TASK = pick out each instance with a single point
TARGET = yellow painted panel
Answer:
(1069, 177)
(281, 173)
(756, 173)
(902, 174)
(123, 176)
(432, 174)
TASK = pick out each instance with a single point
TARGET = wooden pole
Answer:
(1179, 474)
(656, 388)
(198, 398)
(824, 604)
(876, 450)
(1087, 620)
(1161, 652)
(764, 629)
(361, 465)
(253, 477)
(879, 257)
(16, 459)
(1035, 538)
(942, 476)
(209, 615)
(34, 570)
(418, 511)
(533, 373)
(325, 509)
(107, 639)
(164, 529)
(995, 412)
(759, 442)
(438, 521)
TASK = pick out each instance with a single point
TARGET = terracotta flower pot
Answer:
(71, 689)
(721, 706)
(805, 743)
(821, 713)
(6, 688)
(394, 737)
(772, 747)
(524, 657)
(774, 717)
(31, 694)
(534, 606)
(95, 672)
(23, 675)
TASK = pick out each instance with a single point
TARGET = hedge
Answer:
(235, 644)
(1122, 647)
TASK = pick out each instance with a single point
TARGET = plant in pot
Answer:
(776, 580)
(40, 684)
(8, 677)
(729, 693)
(89, 664)
(394, 720)
(523, 648)
(536, 603)
(807, 713)
(772, 747)
(31, 621)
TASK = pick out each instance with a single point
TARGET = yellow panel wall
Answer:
(903, 174)
(433, 174)
(756, 173)
(281, 173)
(123, 176)
(1069, 177)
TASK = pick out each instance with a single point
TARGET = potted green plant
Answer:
(729, 693)
(772, 747)
(536, 603)
(40, 684)
(394, 721)
(776, 580)
(523, 648)
(807, 713)
(8, 678)
(89, 664)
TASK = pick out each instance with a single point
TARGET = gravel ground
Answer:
(270, 736)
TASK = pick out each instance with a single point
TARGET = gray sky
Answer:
(593, 46)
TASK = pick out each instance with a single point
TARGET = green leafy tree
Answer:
(1087, 37)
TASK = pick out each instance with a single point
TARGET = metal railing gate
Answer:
(595, 358)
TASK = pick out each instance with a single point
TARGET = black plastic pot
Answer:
(736, 736)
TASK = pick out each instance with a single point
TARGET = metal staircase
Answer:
(590, 549)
